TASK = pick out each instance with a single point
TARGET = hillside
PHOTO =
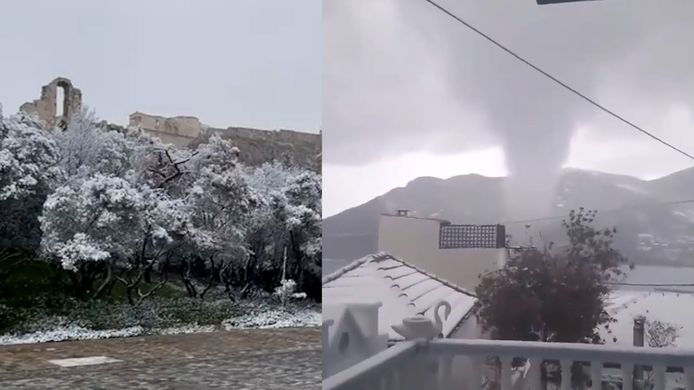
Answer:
(476, 199)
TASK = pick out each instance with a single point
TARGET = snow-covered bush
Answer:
(285, 290)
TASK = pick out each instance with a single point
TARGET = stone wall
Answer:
(179, 130)
(259, 146)
(46, 107)
(256, 146)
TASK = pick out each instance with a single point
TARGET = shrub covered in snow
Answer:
(285, 290)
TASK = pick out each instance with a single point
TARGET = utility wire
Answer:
(652, 284)
(603, 211)
(544, 73)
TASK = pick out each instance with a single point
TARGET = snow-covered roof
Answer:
(670, 307)
(403, 290)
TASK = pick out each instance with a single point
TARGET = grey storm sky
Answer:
(230, 63)
(410, 92)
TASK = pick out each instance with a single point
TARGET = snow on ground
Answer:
(262, 320)
(65, 333)
(187, 329)
(671, 307)
(275, 319)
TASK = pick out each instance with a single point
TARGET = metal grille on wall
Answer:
(472, 236)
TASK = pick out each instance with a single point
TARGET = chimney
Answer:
(639, 327)
(639, 334)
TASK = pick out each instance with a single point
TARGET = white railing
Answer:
(516, 365)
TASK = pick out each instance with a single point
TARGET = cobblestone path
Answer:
(240, 359)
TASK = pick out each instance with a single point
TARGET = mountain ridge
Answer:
(478, 199)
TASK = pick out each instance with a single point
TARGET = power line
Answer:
(652, 284)
(603, 211)
(544, 73)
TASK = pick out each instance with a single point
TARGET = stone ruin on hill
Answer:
(256, 146)
(47, 108)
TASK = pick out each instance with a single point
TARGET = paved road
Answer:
(242, 359)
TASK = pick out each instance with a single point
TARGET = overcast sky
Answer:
(409, 92)
(242, 62)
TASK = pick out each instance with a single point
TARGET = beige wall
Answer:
(257, 146)
(416, 241)
(180, 130)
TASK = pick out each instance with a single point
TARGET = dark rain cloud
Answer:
(400, 76)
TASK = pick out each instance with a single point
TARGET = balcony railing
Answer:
(506, 365)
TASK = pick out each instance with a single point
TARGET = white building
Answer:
(457, 253)
(383, 289)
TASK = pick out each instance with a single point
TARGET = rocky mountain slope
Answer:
(633, 205)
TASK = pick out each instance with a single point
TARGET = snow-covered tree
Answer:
(267, 235)
(221, 204)
(288, 222)
(86, 148)
(303, 220)
(28, 160)
(106, 225)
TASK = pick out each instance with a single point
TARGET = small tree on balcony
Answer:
(553, 294)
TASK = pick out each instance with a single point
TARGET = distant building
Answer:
(179, 130)
(457, 253)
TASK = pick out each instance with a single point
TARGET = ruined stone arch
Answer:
(49, 110)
